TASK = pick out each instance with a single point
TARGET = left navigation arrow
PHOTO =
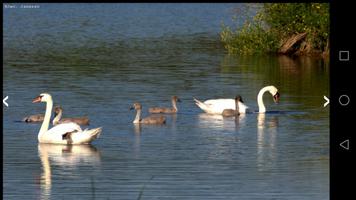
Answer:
(4, 101)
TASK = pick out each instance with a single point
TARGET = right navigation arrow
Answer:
(327, 101)
(345, 144)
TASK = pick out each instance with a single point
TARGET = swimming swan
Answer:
(59, 120)
(232, 112)
(68, 133)
(34, 118)
(172, 110)
(217, 106)
(147, 120)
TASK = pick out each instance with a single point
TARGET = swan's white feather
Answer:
(86, 136)
(64, 128)
(217, 106)
(55, 134)
(78, 136)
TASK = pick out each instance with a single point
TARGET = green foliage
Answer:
(276, 22)
(249, 39)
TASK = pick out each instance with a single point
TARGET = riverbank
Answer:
(283, 28)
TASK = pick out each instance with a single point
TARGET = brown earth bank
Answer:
(298, 45)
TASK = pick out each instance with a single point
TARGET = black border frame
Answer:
(342, 38)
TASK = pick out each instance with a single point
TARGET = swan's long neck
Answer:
(261, 105)
(47, 118)
(57, 117)
(138, 116)
(174, 104)
(237, 111)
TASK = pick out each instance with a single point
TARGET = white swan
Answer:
(217, 106)
(68, 133)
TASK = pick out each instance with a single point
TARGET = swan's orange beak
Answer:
(37, 99)
(276, 97)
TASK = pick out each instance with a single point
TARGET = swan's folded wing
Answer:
(219, 105)
(243, 108)
(218, 102)
(61, 129)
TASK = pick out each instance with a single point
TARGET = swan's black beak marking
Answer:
(276, 97)
(131, 108)
(178, 100)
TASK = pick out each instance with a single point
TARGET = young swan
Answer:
(232, 112)
(172, 110)
(58, 115)
(34, 118)
(147, 120)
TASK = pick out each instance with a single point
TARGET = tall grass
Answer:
(274, 23)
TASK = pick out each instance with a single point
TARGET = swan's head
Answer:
(44, 97)
(57, 109)
(136, 106)
(238, 98)
(176, 99)
(274, 92)
(276, 97)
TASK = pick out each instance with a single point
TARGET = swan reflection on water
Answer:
(137, 142)
(67, 156)
(266, 141)
(140, 129)
(212, 121)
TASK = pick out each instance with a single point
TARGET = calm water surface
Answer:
(98, 59)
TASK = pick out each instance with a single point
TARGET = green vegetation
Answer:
(276, 27)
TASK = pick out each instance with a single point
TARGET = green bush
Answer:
(249, 39)
(276, 22)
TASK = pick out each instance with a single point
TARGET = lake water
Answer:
(98, 59)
